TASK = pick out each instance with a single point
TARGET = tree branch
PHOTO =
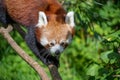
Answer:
(25, 56)
(54, 72)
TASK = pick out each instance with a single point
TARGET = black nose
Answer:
(57, 52)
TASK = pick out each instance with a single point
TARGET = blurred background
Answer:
(94, 53)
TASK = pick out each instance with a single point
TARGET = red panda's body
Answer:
(50, 28)
(26, 11)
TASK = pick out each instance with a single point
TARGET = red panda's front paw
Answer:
(51, 60)
(47, 58)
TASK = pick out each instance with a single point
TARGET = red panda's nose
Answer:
(57, 52)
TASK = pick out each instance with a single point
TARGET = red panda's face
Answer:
(55, 32)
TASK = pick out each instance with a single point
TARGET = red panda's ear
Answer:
(69, 19)
(42, 19)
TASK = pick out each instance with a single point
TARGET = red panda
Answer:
(53, 27)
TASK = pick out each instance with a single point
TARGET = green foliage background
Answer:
(93, 55)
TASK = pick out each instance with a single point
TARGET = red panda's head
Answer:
(55, 32)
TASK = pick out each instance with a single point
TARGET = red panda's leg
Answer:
(19, 29)
(2, 12)
(31, 41)
(33, 45)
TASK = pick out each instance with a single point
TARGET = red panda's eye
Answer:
(62, 43)
(52, 44)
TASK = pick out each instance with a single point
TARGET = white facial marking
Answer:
(43, 41)
(70, 19)
(53, 41)
(53, 49)
(69, 40)
(42, 20)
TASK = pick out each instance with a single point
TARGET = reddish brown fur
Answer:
(56, 31)
(26, 11)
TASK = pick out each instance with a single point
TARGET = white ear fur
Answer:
(70, 18)
(42, 20)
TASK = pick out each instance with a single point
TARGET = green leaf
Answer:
(104, 56)
(93, 70)
(113, 36)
